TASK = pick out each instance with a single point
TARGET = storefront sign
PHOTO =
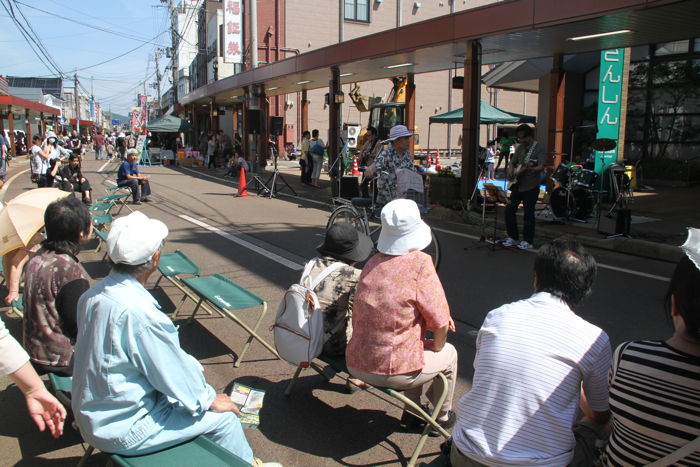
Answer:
(233, 31)
(609, 104)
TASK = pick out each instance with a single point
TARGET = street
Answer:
(262, 245)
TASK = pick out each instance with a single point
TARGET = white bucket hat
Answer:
(135, 238)
(403, 230)
(691, 247)
(398, 131)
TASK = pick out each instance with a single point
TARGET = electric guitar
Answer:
(514, 176)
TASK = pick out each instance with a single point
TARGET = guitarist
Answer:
(526, 169)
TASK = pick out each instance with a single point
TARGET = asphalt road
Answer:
(262, 244)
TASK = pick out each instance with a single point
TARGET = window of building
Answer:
(357, 10)
(670, 48)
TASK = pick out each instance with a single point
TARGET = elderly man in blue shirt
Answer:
(129, 176)
(135, 390)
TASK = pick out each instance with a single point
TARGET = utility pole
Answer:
(174, 62)
(158, 77)
(77, 102)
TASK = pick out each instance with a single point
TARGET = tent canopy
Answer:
(489, 114)
(169, 124)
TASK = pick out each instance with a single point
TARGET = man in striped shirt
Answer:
(536, 362)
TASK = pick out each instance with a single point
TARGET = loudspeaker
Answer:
(349, 188)
(276, 125)
(255, 121)
(617, 225)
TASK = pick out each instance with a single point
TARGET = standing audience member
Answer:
(211, 151)
(392, 157)
(655, 384)
(399, 297)
(536, 363)
(344, 244)
(370, 151)
(44, 409)
(490, 161)
(225, 145)
(55, 279)
(317, 150)
(305, 159)
(75, 180)
(3, 161)
(99, 145)
(39, 161)
(526, 167)
(130, 176)
(135, 390)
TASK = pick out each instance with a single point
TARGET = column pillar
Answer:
(471, 98)
(555, 124)
(411, 108)
(333, 119)
(11, 125)
(213, 119)
(304, 111)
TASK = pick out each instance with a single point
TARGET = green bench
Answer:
(337, 365)
(199, 451)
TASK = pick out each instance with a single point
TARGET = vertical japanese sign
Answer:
(233, 31)
(609, 104)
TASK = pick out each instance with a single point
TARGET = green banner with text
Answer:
(609, 104)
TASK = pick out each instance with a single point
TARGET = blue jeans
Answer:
(529, 200)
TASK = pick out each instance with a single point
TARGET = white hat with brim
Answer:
(691, 247)
(135, 238)
(398, 131)
(131, 151)
(403, 230)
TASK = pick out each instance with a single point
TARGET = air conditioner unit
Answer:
(352, 135)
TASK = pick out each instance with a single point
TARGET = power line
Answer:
(88, 25)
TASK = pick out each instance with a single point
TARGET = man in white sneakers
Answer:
(536, 363)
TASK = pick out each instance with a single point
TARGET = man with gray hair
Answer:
(135, 390)
(129, 176)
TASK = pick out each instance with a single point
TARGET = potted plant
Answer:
(444, 187)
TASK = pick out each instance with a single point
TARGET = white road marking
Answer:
(103, 166)
(600, 265)
(268, 254)
(6, 185)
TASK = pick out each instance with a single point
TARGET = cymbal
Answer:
(604, 144)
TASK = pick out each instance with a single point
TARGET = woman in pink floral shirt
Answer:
(398, 298)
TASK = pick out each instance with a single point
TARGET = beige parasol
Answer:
(23, 216)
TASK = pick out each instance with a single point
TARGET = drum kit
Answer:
(577, 192)
(573, 197)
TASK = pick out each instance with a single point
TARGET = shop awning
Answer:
(169, 124)
(82, 122)
(33, 107)
(489, 114)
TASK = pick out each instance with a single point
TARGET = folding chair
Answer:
(61, 386)
(171, 266)
(224, 297)
(116, 188)
(198, 451)
(117, 198)
(101, 237)
(101, 207)
(337, 365)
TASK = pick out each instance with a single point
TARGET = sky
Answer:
(80, 46)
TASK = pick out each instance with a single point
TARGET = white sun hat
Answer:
(403, 230)
(398, 131)
(135, 238)
(691, 247)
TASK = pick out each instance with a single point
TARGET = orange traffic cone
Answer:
(242, 191)
(437, 160)
(355, 168)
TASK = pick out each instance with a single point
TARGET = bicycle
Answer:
(359, 212)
